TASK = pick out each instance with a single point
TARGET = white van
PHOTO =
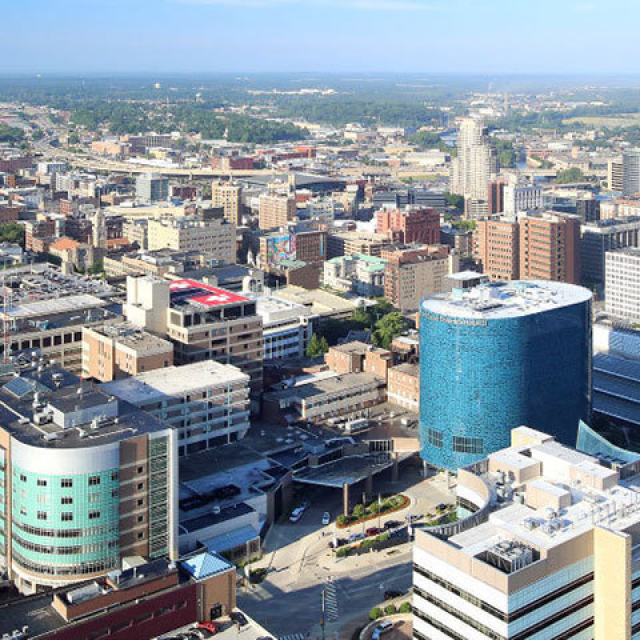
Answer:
(296, 514)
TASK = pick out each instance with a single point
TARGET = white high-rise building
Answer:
(521, 196)
(622, 283)
(472, 170)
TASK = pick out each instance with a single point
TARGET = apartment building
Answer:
(152, 187)
(403, 386)
(213, 238)
(615, 175)
(411, 274)
(357, 357)
(360, 274)
(347, 243)
(550, 248)
(275, 210)
(496, 248)
(350, 394)
(599, 237)
(287, 327)
(545, 546)
(409, 225)
(119, 349)
(228, 197)
(203, 322)
(622, 283)
(206, 402)
(136, 231)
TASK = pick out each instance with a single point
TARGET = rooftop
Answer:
(175, 381)
(501, 300)
(551, 494)
(30, 398)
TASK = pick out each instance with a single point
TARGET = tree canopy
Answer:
(567, 176)
(12, 232)
(10, 134)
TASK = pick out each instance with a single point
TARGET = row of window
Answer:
(96, 547)
(461, 444)
(106, 564)
(100, 530)
(67, 483)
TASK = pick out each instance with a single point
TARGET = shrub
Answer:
(405, 607)
(390, 609)
(359, 511)
(341, 519)
(375, 613)
(342, 552)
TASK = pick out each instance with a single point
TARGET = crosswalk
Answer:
(295, 636)
(331, 601)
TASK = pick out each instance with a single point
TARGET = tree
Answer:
(454, 200)
(569, 175)
(389, 327)
(375, 613)
(390, 609)
(317, 347)
(96, 268)
(12, 232)
(10, 134)
(405, 607)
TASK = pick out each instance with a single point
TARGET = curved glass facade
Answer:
(65, 525)
(480, 377)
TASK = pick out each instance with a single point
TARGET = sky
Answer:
(424, 36)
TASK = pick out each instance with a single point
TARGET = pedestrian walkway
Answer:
(295, 636)
(331, 601)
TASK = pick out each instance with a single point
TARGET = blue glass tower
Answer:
(499, 356)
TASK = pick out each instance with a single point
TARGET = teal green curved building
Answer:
(87, 481)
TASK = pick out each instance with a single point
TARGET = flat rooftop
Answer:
(498, 301)
(18, 408)
(134, 338)
(175, 381)
(590, 494)
(322, 386)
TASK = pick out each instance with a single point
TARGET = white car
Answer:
(326, 517)
(296, 514)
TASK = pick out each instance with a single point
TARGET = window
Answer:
(114, 476)
(94, 497)
(42, 483)
(140, 486)
(140, 469)
(93, 515)
(94, 480)
(66, 500)
(140, 535)
(141, 502)
(23, 478)
(467, 445)
(66, 516)
(435, 438)
(42, 515)
(65, 483)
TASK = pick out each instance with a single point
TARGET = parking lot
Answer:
(229, 631)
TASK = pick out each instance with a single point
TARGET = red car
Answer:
(372, 531)
(212, 627)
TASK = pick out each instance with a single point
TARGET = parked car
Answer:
(383, 627)
(326, 517)
(389, 594)
(356, 536)
(373, 531)
(442, 507)
(338, 542)
(296, 514)
(412, 517)
(239, 618)
(392, 524)
(212, 627)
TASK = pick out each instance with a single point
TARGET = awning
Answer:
(231, 539)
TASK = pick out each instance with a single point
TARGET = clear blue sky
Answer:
(468, 36)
